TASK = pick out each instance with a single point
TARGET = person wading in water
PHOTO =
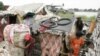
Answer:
(79, 24)
(76, 42)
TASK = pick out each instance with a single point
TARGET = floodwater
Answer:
(89, 14)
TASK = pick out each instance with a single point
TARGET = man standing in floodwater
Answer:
(79, 24)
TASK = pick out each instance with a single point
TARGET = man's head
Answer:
(29, 14)
(78, 18)
(79, 34)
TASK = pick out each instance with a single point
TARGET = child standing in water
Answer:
(76, 42)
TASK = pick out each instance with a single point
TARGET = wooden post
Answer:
(92, 26)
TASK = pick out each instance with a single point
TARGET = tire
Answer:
(51, 24)
(68, 21)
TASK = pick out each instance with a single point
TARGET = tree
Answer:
(85, 9)
(94, 10)
(1, 5)
(89, 10)
(99, 9)
(76, 9)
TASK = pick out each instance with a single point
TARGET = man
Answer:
(79, 24)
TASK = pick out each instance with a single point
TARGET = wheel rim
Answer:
(64, 21)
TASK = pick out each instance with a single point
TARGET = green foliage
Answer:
(65, 14)
(1, 5)
(86, 18)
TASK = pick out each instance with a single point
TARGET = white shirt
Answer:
(90, 52)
